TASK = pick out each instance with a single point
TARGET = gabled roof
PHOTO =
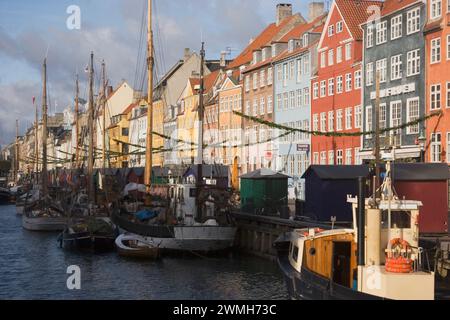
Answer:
(264, 38)
(337, 172)
(286, 54)
(354, 13)
(390, 6)
(298, 31)
(264, 174)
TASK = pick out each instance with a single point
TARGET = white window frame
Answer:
(435, 50)
(435, 9)
(412, 117)
(331, 87)
(339, 26)
(330, 121)
(315, 90)
(339, 54)
(339, 85)
(358, 117)
(413, 21)
(381, 65)
(369, 36)
(369, 74)
(435, 96)
(339, 120)
(396, 67)
(348, 118)
(348, 82)
(369, 121)
(323, 89)
(381, 33)
(436, 147)
(358, 79)
(396, 27)
(413, 63)
(331, 57)
(348, 51)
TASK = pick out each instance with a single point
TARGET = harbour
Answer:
(36, 268)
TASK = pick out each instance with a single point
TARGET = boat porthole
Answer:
(312, 251)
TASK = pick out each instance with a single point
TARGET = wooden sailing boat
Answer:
(189, 229)
(89, 232)
(42, 215)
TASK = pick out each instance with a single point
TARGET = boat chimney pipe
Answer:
(361, 221)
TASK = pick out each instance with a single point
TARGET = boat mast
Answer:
(91, 131)
(200, 131)
(44, 133)
(16, 158)
(104, 115)
(377, 138)
(36, 142)
(149, 142)
(77, 147)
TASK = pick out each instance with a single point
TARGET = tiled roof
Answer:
(208, 81)
(354, 12)
(286, 54)
(261, 40)
(129, 108)
(391, 6)
(298, 31)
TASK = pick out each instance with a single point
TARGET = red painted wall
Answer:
(434, 196)
(341, 101)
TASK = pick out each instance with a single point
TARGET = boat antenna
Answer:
(91, 131)
(77, 147)
(149, 141)
(44, 175)
(200, 132)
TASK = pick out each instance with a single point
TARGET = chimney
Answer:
(109, 91)
(316, 9)
(284, 10)
(187, 54)
(223, 59)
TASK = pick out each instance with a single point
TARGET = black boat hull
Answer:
(86, 241)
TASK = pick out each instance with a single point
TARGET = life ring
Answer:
(398, 263)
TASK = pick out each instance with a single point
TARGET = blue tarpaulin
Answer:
(146, 215)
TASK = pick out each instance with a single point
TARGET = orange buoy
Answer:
(398, 263)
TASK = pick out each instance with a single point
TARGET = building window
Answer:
(413, 21)
(292, 99)
(323, 158)
(435, 96)
(299, 70)
(279, 101)
(339, 27)
(323, 88)
(348, 51)
(381, 36)
(436, 148)
(305, 39)
(255, 107)
(436, 50)
(262, 106)
(369, 121)
(247, 83)
(348, 118)
(331, 87)
(316, 158)
(369, 38)
(291, 70)
(412, 114)
(306, 65)
(348, 157)
(435, 8)
(280, 73)
(396, 120)
(339, 119)
(358, 79)
(330, 57)
(381, 66)
(247, 108)
(269, 76)
(358, 117)
(340, 158)
(448, 94)
(330, 121)
(323, 60)
(306, 95)
(369, 74)
(339, 55)
(255, 81)
(269, 104)
(285, 101)
(323, 122)
(339, 85)
(448, 41)
(396, 67)
(262, 80)
(413, 63)
(348, 82)
(330, 30)
(383, 117)
(316, 122)
(331, 157)
(285, 74)
(315, 90)
(396, 27)
(299, 97)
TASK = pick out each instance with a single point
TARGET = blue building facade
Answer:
(293, 70)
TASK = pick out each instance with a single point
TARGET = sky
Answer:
(31, 30)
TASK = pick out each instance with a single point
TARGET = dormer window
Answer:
(291, 45)
(305, 40)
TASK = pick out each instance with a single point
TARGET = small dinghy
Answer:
(134, 246)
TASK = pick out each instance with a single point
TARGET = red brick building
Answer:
(336, 89)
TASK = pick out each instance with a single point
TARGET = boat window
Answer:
(295, 254)
(312, 251)
(399, 219)
(193, 192)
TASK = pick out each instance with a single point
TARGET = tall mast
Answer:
(36, 142)
(104, 115)
(149, 142)
(44, 133)
(200, 131)
(91, 131)
(377, 137)
(16, 158)
(77, 112)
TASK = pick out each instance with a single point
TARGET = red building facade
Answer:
(336, 89)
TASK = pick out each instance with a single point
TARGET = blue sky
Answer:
(111, 29)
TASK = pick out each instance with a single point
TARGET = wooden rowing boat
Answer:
(132, 246)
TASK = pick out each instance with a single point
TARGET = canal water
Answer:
(32, 266)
